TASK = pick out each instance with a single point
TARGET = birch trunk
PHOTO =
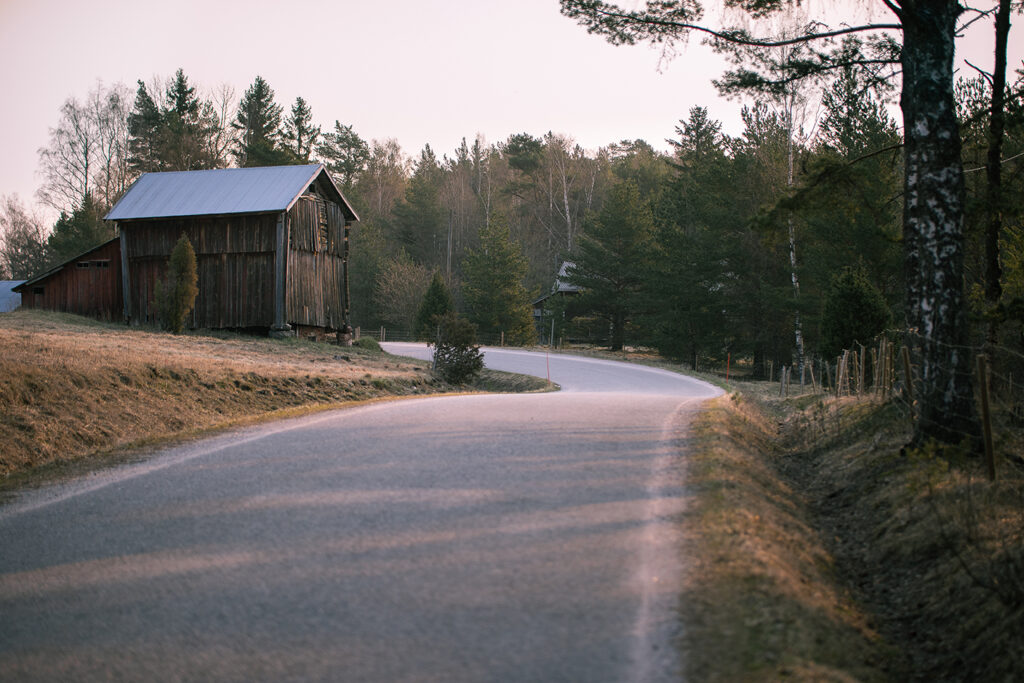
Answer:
(933, 223)
(797, 324)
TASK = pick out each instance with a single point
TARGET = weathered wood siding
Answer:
(316, 247)
(235, 264)
(90, 285)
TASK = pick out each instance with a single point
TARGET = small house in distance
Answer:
(89, 284)
(271, 246)
(9, 299)
(561, 290)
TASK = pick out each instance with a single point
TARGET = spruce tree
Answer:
(300, 134)
(855, 311)
(613, 259)
(436, 302)
(259, 128)
(497, 300)
(77, 233)
(418, 221)
(187, 124)
(457, 357)
(145, 133)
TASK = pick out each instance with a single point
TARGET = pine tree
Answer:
(145, 134)
(300, 134)
(436, 302)
(344, 153)
(187, 126)
(76, 234)
(258, 124)
(418, 219)
(177, 135)
(855, 311)
(613, 258)
(493, 286)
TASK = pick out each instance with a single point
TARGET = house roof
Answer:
(222, 191)
(9, 299)
(561, 286)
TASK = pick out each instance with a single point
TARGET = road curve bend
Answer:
(464, 538)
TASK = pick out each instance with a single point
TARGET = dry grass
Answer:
(71, 388)
(825, 552)
(931, 548)
(761, 601)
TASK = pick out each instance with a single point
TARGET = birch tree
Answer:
(22, 241)
(87, 153)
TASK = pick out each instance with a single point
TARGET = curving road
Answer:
(465, 538)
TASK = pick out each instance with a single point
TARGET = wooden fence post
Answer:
(855, 373)
(908, 376)
(883, 370)
(862, 370)
(986, 415)
(874, 371)
(892, 367)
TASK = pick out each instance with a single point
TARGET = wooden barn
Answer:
(271, 246)
(89, 284)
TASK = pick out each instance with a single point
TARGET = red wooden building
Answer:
(89, 284)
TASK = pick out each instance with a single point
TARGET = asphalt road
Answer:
(467, 538)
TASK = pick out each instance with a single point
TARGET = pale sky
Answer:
(420, 71)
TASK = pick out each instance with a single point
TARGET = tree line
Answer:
(781, 243)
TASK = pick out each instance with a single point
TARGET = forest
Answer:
(778, 246)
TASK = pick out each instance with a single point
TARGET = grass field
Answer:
(72, 389)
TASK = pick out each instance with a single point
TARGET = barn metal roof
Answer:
(221, 191)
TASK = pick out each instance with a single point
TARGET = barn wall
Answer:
(89, 285)
(235, 264)
(315, 286)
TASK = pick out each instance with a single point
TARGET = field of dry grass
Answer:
(71, 388)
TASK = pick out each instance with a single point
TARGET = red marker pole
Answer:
(728, 362)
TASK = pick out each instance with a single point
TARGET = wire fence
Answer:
(893, 367)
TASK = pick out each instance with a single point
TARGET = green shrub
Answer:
(457, 357)
(437, 301)
(855, 311)
(367, 343)
(176, 295)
